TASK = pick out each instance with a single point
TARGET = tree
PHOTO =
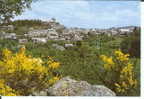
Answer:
(11, 8)
(134, 49)
(131, 44)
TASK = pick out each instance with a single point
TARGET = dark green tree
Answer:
(11, 8)
(131, 44)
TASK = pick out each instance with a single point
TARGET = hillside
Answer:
(78, 50)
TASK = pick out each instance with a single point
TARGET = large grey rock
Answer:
(69, 87)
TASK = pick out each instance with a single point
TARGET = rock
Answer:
(68, 45)
(69, 87)
(99, 90)
(22, 41)
(41, 93)
(58, 47)
(39, 40)
(10, 36)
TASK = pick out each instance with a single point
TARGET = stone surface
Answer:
(41, 93)
(69, 87)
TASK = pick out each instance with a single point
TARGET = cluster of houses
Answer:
(121, 31)
(69, 34)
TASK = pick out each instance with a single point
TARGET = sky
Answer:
(86, 13)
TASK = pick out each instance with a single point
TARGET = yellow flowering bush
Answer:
(25, 74)
(119, 69)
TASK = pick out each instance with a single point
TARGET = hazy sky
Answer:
(86, 13)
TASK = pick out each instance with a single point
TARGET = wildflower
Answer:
(121, 56)
(16, 66)
(53, 64)
(109, 64)
(22, 50)
(53, 80)
(124, 85)
(6, 53)
(120, 63)
(103, 57)
(110, 61)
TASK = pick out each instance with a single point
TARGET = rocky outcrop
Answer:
(70, 87)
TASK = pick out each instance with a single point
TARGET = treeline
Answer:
(23, 26)
(30, 23)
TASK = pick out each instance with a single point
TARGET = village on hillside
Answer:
(56, 31)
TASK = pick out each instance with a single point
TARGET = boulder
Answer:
(69, 87)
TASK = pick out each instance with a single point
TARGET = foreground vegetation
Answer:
(84, 62)
(23, 75)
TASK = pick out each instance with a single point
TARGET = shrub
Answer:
(25, 74)
(119, 73)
